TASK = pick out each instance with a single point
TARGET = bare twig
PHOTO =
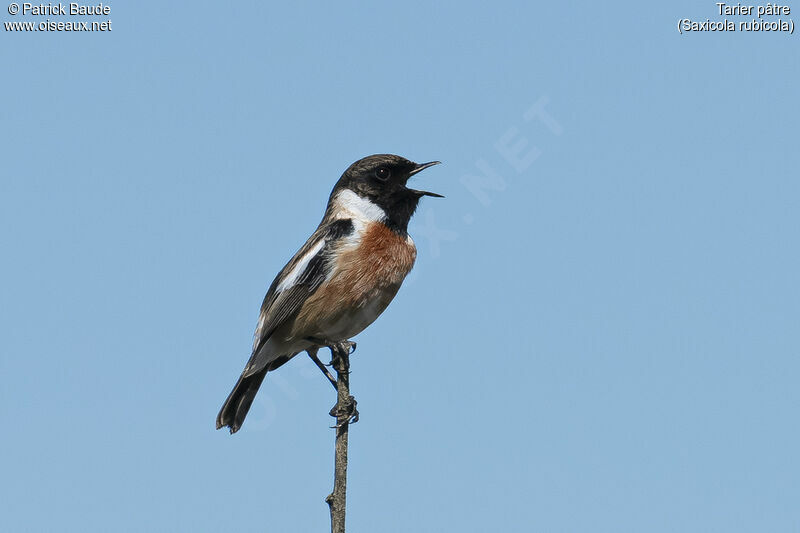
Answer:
(344, 411)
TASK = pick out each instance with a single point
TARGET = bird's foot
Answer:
(345, 414)
(340, 355)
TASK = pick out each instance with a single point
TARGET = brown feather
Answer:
(366, 276)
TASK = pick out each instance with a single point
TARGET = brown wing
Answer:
(295, 283)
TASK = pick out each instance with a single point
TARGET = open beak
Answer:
(419, 168)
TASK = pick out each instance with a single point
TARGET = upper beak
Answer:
(419, 168)
(422, 166)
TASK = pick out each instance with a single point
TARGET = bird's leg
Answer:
(345, 410)
(349, 346)
(312, 353)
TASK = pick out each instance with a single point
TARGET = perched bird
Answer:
(342, 279)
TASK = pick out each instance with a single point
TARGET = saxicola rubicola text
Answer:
(341, 280)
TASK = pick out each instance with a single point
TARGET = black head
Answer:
(381, 179)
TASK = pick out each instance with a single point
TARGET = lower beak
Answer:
(428, 193)
(419, 168)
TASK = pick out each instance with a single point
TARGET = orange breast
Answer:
(368, 275)
(383, 258)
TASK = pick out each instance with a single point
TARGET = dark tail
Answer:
(235, 408)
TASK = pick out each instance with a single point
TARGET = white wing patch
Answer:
(259, 328)
(292, 277)
(349, 203)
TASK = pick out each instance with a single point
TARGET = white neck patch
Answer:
(358, 207)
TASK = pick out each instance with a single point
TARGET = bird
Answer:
(341, 279)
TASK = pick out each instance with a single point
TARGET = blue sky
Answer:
(600, 334)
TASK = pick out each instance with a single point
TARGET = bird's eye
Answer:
(383, 173)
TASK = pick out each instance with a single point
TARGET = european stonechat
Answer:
(342, 279)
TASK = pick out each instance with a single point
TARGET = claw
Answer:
(348, 411)
(340, 353)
